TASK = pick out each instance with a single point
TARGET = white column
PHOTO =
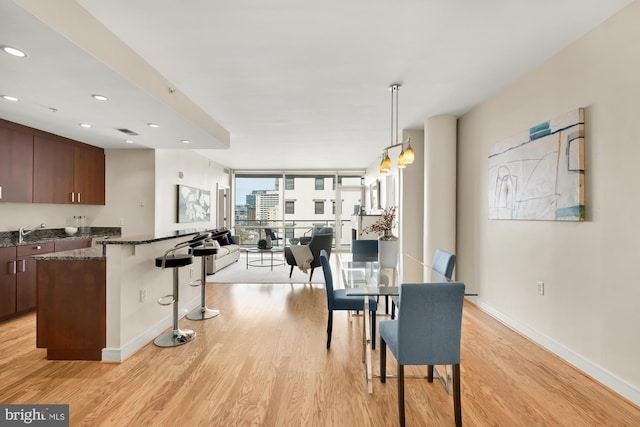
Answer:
(411, 203)
(440, 136)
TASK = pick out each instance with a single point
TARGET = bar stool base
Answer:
(174, 338)
(202, 314)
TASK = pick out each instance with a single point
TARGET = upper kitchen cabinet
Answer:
(88, 175)
(16, 165)
(52, 171)
(67, 172)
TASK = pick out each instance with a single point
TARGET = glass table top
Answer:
(368, 278)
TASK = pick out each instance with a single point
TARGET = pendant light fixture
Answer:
(407, 156)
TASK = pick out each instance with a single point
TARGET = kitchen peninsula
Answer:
(110, 297)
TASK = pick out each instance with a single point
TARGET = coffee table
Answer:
(261, 262)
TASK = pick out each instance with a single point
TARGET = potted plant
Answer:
(388, 244)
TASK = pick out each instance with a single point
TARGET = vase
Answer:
(388, 250)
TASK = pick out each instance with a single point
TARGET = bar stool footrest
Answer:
(195, 283)
(162, 299)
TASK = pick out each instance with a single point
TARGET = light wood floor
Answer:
(263, 362)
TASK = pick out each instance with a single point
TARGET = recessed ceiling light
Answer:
(99, 97)
(13, 51)
(153, 125)
(185, 141)
(85, 125)
(10, 98)
(128, 141)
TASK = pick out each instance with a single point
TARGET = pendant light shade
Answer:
(406, 156)
(386, 163)
(409, 155)
(402, 163)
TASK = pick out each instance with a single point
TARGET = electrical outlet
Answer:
(121, 221)
(143, 295)
(540, 288)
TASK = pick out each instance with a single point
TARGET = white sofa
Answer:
(225, 256)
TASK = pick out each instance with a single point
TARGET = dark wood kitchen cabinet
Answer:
(16, 165)
(7, 282)
(52, 171)
(18, 278)
(72, 309)
(67, 172)
(27, 274)
(40, 167)
(89, 175)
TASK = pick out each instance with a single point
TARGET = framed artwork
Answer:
(539, 174)
(194, 204)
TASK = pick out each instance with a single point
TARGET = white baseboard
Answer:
(120, 354)
(596, 372)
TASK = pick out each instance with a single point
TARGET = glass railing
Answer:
(252, 231)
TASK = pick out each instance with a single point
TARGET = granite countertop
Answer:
(85, 254)
(10, 238)
(152, 238)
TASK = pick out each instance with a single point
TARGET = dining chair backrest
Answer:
(364, 250)
(328, 277)
(430, 323)
(444, 262)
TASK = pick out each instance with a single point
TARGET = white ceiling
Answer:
(297, 84)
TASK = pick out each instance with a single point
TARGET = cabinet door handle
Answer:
(13, 269)
(24, 266)
(78, 197)
(73, 197)
(37, 248)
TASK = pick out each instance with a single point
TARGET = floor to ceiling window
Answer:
(291, 204)
(258, 205)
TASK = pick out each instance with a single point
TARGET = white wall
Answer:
(130, 195)
(198, 171)
(589, 314)
(16, 215)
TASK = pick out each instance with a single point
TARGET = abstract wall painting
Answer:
(539, 174)
(194, 204)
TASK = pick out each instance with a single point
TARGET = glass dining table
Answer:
(367, 278)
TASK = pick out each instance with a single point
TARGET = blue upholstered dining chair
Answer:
(426, 332)
(338, 300)
(367, 250)
(443, 263)
(364, 250)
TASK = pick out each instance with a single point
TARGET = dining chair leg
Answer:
(383, 361)
(430, 373)
(329, 328)
(311, 275)
(401, 393)
(393, 310)
(290, 272)
(457, 405)
(373, 330)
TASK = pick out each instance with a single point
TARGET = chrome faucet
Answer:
(23, 231)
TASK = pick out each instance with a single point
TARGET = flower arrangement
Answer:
(385, 224)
